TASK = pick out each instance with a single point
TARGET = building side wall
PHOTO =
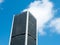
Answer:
(31, 30)
(19, 29)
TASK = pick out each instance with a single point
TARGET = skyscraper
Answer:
(23, 30)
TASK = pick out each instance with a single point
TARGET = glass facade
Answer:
(19, 30)
(18, 40)
(31, 30)
(19, 25)
(31, 40)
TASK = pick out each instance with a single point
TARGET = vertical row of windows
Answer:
(31, 30)
(19, 25)
(19, 29)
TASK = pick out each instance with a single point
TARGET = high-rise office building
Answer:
(23, 29)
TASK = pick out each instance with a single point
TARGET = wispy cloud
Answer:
(43, 12)
(55, 24)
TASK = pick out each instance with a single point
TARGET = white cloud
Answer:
(43, 12)
(1, 1)
(55, 23)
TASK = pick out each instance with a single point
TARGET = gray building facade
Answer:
(23, 29)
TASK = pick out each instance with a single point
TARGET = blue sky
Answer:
(10, 7)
